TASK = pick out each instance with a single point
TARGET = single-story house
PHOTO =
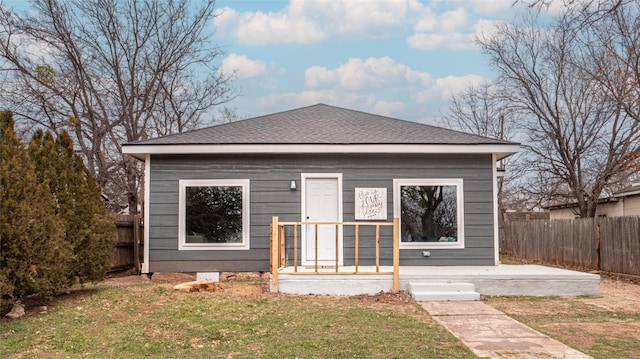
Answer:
(624, 202)
(211, 193)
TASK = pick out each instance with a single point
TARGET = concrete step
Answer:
(443, 291)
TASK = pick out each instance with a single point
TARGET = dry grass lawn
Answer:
(131, 317)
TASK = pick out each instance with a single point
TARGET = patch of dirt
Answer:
(389, 298)
(126, 281)
(172, 277)
(199, 286)
(532, 306)
(617, 295)
(589, 334)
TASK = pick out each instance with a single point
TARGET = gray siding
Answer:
(270, 195)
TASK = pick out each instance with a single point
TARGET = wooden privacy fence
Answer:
(279, 242)
(610, 244)
(128, 248)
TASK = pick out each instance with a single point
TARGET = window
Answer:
(430, 212)
(214, 214)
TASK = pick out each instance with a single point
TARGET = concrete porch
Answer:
(509, 280)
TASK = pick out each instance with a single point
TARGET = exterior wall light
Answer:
(293, 185)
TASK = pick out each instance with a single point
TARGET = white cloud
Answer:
(427, 21)
(318, 76)
(289, 100)
(451, 40)
(310, 22)
(455, 40)
(259, 28)
(307, 22)
(490, 7)
(447, 30)
(378, 85)
(457, 28)
(422, 103)
(371, 19)
(388, 108)
(225, 19)
(242, 66)
(556, 7)
(453, 20)
(485, 29)
(444, 87)
(372, 72)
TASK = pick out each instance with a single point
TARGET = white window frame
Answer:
(458, 183)
(183, 184)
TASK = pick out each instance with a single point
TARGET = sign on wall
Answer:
(371, 203)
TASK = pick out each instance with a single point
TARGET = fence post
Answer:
(597, 246)
(136, 243)
(337, 249)
(281, 239)
(396, 255)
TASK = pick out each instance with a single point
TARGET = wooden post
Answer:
(597, 247)
(396, 255)
(282, 251)
(136, 243)
(377, 248)
(274, 253)
(357, 239)
(316, 258)
(295, 248)
(271, 246)
(337, 250)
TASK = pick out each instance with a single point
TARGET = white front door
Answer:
(322, 203)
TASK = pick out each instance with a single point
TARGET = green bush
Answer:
(33, 250)
(89, 227)
(54, 229)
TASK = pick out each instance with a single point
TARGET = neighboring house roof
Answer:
(574, 204)
(632, 190)
(323, 129)
(628, 191)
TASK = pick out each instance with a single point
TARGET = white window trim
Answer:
(397, 183)
(183, 184)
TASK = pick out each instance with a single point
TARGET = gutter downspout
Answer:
(496, 229)
(147, 196)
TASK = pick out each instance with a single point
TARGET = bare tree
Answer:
(483, 110)
(576, 135)
(609, 34)
(595, 8)
(110, 72)
(611, 52)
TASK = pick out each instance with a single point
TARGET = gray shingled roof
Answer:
(322, 124)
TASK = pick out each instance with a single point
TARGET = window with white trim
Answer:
(214, 214)
(430, 212)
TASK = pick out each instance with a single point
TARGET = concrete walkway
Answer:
(490, 333)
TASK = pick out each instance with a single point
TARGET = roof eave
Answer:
(501, 150)
(627, 193)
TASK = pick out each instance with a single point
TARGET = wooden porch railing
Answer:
(278, 260)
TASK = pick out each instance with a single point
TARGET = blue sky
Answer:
(397, 58)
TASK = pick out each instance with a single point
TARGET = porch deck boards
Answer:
(510, 280)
